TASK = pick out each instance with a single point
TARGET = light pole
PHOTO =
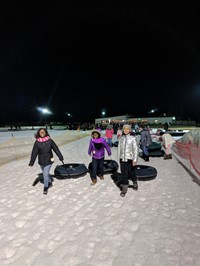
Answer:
(69, 116)
(43, 111)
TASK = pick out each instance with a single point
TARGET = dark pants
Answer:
(97, 167)
(127, 171)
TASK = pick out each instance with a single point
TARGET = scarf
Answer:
(43, 139)
(99, 140)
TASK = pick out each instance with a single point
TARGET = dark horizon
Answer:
(82, 59)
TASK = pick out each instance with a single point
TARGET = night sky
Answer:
(83, 57)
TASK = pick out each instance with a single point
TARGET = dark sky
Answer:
(82, 57)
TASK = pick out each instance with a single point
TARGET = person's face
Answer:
(42, 133)
(95, 135)
(126, 130)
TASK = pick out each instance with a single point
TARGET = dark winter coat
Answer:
(145, 138)
(44, 152)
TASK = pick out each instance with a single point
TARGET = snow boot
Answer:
(167, 157)
(135, 185)
(124, 189)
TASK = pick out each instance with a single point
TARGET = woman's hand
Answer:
(133, 163)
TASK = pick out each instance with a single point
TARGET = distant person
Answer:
(145, 141)
(98, 127)
(96, 149)
(127, 157)
(136, 128)
(119, 132)
(167, 141)
(109, 135)
(43, 148)
(115, 127)
(166, 126)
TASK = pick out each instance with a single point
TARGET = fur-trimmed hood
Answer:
(96, 131)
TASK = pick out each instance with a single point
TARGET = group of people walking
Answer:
(127, 154)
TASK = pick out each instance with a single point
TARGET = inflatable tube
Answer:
(70, 170)
(154, 146)
(152, 153)
(145, 172)
(155, 150)
(159, 153)
(109, 167)
(176, 133)
(115, 144)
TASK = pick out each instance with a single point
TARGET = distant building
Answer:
(147, 120)
(128, 119)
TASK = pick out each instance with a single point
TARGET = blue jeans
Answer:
(97, 167)
(109, 140)
(45, 170)
(145, 150)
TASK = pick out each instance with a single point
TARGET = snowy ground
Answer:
(77, 224)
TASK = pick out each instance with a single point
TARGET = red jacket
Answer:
(109, 133)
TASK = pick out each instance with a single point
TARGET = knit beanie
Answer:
(127, 126)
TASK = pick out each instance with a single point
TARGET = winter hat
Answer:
(96, 131)
(127, 126)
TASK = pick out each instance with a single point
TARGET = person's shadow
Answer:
(40, 179)
(117, 177)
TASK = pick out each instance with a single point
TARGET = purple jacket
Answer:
(97, 148)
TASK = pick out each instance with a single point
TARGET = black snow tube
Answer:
(155, 150)
(115, 144)
(178, 133)
(145, 172)
(109, 167)
(159, 153)
(154, 146)
(70, 170)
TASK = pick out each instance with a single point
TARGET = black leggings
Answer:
(128, 172)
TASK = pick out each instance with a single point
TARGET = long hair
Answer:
(37, 135)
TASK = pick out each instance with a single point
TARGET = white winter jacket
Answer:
(127, 148)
